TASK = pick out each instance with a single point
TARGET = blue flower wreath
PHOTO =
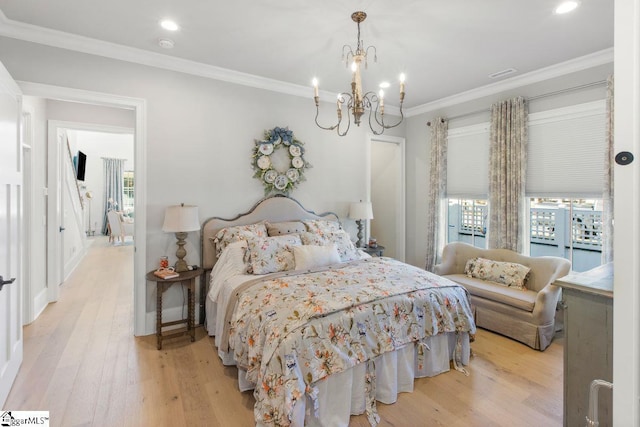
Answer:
(276, 181)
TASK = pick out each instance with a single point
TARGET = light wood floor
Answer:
(83, 364)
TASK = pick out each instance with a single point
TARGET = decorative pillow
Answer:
(287, 227)
(310, 256)
(321, 226)
(240, 232)
(468, 268)
(272, 254)
(342, 240)
(510, 274)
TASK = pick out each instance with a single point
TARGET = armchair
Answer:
(119, 227)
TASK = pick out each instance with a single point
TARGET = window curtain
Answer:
(113, 187)
(607, 194)
(507, 172)
(436, 203)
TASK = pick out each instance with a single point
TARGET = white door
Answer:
(10, 233)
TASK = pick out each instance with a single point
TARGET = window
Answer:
(565, 170)
(569, 228)
(468, 184)
(128, 189)
(467, 221)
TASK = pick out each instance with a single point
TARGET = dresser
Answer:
(588, 354)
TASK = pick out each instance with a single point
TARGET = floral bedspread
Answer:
(293, 330)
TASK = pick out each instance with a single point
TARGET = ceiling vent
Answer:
(502, 73)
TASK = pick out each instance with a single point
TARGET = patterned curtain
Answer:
(507, 172)
(607, 194)
(437, 192)
(113, 187)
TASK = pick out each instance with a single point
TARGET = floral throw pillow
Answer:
(241, 232)
(341, 239)
(273, 254)
(510, 274)
(321, 226)
(469, 266)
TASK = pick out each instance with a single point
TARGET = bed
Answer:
(319, 330)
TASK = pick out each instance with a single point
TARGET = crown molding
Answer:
(557, 70)
(59, 39)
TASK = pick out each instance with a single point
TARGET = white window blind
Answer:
(468, 161)
(566, 151)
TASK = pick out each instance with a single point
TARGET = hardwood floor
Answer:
(83, 364)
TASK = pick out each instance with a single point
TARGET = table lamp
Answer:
(360, 211)
(181, 219)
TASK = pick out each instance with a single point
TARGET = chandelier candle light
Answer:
(355, 101)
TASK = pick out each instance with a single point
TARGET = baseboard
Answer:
(40, 302)
(73, 262)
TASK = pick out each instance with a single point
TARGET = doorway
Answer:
(387, 193)
(138, 106)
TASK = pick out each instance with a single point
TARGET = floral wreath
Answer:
(272, 179)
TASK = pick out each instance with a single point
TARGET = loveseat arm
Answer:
(544, 309)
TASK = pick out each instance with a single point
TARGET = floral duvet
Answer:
(290, 330)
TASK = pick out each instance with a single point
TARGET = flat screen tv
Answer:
(82, 163)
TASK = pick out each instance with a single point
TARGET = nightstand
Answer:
(377, 251)
(188, 280)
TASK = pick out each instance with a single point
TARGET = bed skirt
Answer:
(342, 395)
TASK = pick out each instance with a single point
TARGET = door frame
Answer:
(26, 145)
(401, 205)
(139, 106)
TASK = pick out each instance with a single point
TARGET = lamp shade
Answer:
(361, 210)
(181, 218)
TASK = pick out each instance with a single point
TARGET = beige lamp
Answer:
(181, 219)
(360, 211)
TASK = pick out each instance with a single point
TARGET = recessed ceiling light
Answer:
(169, 25)
(384, 85)
(566, 7)
(166, 43)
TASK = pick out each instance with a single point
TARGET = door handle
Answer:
(62, 229)
(6, 282)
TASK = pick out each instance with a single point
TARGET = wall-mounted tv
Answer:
(82, 163)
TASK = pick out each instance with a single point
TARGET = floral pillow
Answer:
(273, 254)
(241, 232)
(469, 266)
(510, 274)
(321, 226)
(340, 238)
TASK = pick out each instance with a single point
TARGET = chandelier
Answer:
(355, 102)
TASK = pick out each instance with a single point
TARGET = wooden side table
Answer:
(188, 280)
(377, 251)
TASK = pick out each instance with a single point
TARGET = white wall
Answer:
(200, 134)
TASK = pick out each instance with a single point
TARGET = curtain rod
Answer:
(532, 98)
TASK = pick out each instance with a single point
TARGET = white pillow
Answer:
(340, 239)
(309, 256)
(230, 263)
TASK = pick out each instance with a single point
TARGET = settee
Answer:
(526, 315)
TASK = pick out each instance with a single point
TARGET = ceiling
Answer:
(444, 47)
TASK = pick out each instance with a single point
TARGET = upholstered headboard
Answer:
(276, 208)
